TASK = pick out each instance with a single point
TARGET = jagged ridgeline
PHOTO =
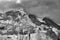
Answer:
(34, 19)
(50, 22)
(5, 19)
(13, 14)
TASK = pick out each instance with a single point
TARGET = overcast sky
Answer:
(40, 10)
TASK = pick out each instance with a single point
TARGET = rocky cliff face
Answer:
(24, 26)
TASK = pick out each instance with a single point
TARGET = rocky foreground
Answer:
(19, 25)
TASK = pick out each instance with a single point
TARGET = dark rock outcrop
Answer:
(50, 22)
(34, 19)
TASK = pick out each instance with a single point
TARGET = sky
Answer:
(40, 10)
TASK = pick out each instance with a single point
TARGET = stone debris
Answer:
(20, 26)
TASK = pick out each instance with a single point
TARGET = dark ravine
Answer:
(58, 36)
(50, 23)
(23, 33)
(52, 34)
(2, 28)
